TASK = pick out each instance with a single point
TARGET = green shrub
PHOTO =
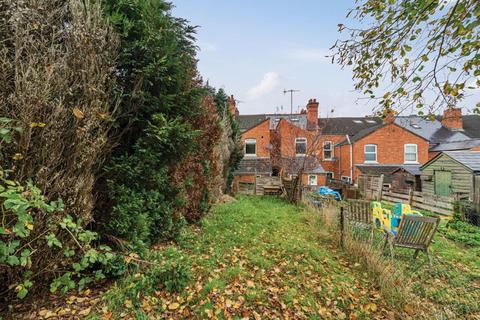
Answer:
(462, 232)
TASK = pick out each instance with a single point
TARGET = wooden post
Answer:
(410, 196)
(341, 226)
(380, 187)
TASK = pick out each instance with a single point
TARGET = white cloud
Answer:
(309, 55)
(269, 82)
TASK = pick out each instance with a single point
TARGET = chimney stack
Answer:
(232, 106)
(389, 116)
(312, 114)
(452, 118)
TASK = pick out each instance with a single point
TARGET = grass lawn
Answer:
(255, 258)
(451, 285)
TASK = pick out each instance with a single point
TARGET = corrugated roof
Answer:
(470, 159)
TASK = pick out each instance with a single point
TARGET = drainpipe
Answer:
(351, 158)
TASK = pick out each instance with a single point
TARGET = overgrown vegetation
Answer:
(108, 136)
(55, 89)
(446, 289)
(164, 168)
(461, 231)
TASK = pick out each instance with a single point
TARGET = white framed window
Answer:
(327, 150)
(312, 180)
(250, 147)
(346, 179)
(411, 153)
(370, 153)
(301, 146)
(329, 175)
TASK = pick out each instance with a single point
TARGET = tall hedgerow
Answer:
(56, 81)
(160, 174)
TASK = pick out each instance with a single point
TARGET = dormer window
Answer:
(250, 147)
(301, 146)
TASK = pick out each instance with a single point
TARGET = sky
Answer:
(254, 49)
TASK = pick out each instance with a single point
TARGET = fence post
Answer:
(341, 226)
(410, 196)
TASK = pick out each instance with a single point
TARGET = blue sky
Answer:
(255, 49)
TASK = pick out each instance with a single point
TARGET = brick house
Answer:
(339, 148)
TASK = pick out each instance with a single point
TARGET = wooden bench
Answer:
(415, 232)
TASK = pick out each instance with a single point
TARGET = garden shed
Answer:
(407, 177)
(453, 173)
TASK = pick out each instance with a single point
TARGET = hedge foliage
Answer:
(108, 137)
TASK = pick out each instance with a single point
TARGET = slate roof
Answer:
(471, 125)
(254, 165)
(440, 137)
(347, 125)
(378, 169)
(411, 168)
(457, 145)
(470, 159)
(246, 122)
(432, 131)
(309, 164)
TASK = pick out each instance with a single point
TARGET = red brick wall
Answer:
(390, 142)
(241, 178)
(321, 179)
(329, 165)
(344, 159)
(288, 133)
(261, 133)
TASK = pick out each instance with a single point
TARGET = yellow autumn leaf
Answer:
(409, 309)
(128, 303)
(17, 156)
(78, 113)
(28, 225)
(173, 306)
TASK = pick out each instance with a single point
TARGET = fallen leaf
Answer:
(78, 113)
(173, 306)
(85, 312)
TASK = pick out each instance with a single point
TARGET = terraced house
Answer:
(342, 147)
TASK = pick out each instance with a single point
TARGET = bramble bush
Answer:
(33, 229)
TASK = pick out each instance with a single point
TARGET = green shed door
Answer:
(443, 183)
